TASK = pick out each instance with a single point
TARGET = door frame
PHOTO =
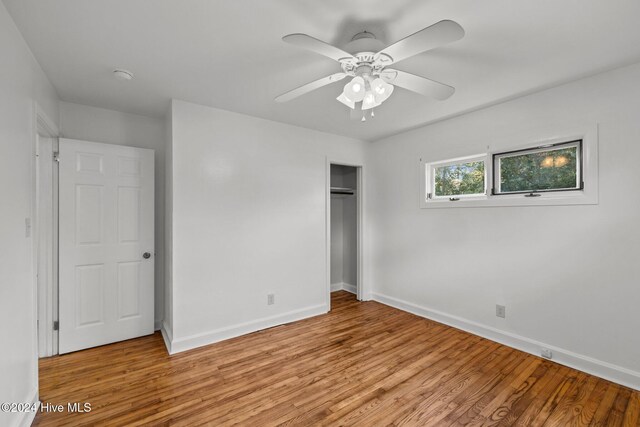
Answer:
(363, 292)
(46, 338)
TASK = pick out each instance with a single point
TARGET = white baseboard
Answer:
(177, 345)
(25, 419)
(344, 287)
(350, 288)
(599, 368)
(157, 325)
(166, 336)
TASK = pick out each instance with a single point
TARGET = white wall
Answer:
(337, 240)
(249, 206)
(113, 127)
(568, 275)
(21, 83)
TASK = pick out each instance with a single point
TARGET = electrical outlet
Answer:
(501, 311)
(546, 353)
(27, 227)
(271, 299)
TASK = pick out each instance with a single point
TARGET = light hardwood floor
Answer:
(362, 364)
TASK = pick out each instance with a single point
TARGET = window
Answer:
(457, 178)
(551, 170)
(555, 167)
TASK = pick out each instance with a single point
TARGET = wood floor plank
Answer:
(616, 415)
(572, 413)
(438, 399)
(604, 405)
(632, 413)
(560, 400)
(361, 364)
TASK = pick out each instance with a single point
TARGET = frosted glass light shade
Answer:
(346, 101)
(369, 101)
(381, 90)
(355, 89)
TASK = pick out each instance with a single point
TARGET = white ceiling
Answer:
(229, 54)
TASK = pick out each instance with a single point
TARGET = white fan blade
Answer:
(310, 87)
(436, 35)
(318, 46)
(417, 84)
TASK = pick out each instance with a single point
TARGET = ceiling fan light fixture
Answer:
(372, 82)
(381, 90)
(354, 90)
(346, 101)
(369, 101)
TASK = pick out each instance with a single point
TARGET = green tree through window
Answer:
(459, 179)
(554, 169)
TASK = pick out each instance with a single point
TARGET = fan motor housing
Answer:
(366, 65)
(363, 46)
(363, 70)
(366, 57)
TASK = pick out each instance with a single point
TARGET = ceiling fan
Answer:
(372, 81)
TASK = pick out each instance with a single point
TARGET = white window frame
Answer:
(430, 178)
(587, 195)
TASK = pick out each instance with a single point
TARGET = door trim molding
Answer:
(44, 126)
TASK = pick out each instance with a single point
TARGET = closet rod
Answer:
(343, 191)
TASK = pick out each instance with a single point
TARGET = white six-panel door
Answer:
(106, 228)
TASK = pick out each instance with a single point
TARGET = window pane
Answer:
(546, 170)
(459, 179)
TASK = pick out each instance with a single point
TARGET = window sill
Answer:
(545, 199)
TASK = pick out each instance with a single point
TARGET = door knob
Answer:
(146, 255)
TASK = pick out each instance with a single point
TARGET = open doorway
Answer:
(344, 229)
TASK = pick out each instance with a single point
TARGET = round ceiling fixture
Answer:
(123, 74)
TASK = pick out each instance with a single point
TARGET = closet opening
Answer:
(344, 218)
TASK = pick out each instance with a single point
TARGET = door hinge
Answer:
(56, 325)
(56, 156)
